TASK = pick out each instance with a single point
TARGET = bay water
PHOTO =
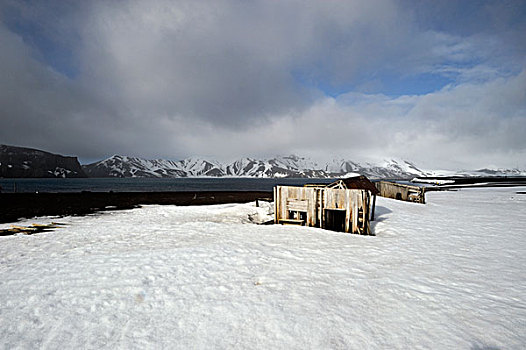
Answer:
(149, 184)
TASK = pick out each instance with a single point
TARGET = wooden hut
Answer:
(344, 205)
(401, 192)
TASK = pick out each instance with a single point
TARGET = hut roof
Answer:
(355, 183)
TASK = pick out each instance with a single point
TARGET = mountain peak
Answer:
(280, 166)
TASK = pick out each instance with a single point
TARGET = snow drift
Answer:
(449, 274)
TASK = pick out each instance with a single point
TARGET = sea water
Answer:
(150, 184)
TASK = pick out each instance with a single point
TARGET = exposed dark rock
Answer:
(14, 206)
(16, 162)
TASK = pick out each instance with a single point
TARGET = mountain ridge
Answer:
(24, 162)
(28, 162)
(280, 166)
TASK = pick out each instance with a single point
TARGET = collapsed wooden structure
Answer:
(29, 230)
(345, 205)
(402, 192)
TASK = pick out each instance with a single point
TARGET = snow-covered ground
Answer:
(450, 274)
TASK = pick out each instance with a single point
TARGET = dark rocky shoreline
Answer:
(14, 206)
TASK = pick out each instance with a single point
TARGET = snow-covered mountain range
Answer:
(26, 162)
(287, 166)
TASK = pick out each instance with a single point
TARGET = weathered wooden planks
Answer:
(297, 204)
(401, 191)
(321, 207)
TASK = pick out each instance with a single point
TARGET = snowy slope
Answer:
(494, 172)
(450, 274)
(200, 167)
(247, 167)
(123, 166)
(479, 172)
(283, 166)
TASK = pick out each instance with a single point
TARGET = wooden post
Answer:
(324, 203)
(355, 214)
(320, 206)
(365, 213)
(347, 206)
(276, 213)
(374, 206)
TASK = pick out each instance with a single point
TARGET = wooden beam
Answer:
(276, 200)
(373, 207)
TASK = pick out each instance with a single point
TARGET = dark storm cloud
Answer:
(233, 78)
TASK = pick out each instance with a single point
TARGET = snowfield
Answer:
(450, 274)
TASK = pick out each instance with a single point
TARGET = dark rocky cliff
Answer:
(27, 162)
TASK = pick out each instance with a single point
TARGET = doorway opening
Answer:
(335, 220)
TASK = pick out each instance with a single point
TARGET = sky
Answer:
(439, 83)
